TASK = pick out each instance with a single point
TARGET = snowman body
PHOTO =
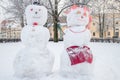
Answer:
(76, 59)
(34, 60)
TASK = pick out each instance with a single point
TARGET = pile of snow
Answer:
(107, 59)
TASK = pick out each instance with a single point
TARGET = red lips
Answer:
(35, 24)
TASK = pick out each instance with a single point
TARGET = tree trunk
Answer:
(55, 30)
(100, 29)
(103, 25)
(99, 25)
(113, 24)
(22, 16)
(55, 17)
(22, 21)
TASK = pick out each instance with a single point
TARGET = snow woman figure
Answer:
(34, 60)
(77, 58)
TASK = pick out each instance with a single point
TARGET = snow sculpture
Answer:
(77, 58)
(34, 60)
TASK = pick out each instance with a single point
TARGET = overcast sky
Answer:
(2, 11)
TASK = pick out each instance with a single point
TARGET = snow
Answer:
(36, 14)
(34, 60)
(76, 41)
(107, 61)
(7, 55)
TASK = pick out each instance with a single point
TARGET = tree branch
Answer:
(50, 13)
(59, 1)
(51, 6)
(88, 2)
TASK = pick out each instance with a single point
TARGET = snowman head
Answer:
(36, 15)
(78, 16)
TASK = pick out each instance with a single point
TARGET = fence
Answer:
(9, 40)
(112, 40)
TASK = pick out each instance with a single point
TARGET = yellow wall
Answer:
(93, 29)
(109, 33)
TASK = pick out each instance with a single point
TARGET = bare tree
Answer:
(117, 5)
(55, 8)
(97, 9)
(101, 8)
(16, 9)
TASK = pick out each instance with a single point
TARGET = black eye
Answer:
(82, 17)
(31, 9)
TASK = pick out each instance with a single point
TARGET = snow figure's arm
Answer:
(87, 37)
(66, 38)
(25, 36)
(48, 34)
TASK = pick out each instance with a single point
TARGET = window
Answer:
(117, 29)
(3, 36)
(116, 22)
(93, 23)
(93, 33)
(108, 33)
(117, 33)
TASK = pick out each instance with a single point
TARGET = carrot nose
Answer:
(78, 12)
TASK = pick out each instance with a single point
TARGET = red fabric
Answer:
(79, 54)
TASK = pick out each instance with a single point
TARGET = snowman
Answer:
(34, 60)
(77, 58)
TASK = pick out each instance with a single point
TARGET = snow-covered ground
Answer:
(107, 59)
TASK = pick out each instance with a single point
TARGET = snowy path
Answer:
(7, 54)
(107, 59)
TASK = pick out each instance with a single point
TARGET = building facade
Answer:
(10, 30)
(111, 27)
